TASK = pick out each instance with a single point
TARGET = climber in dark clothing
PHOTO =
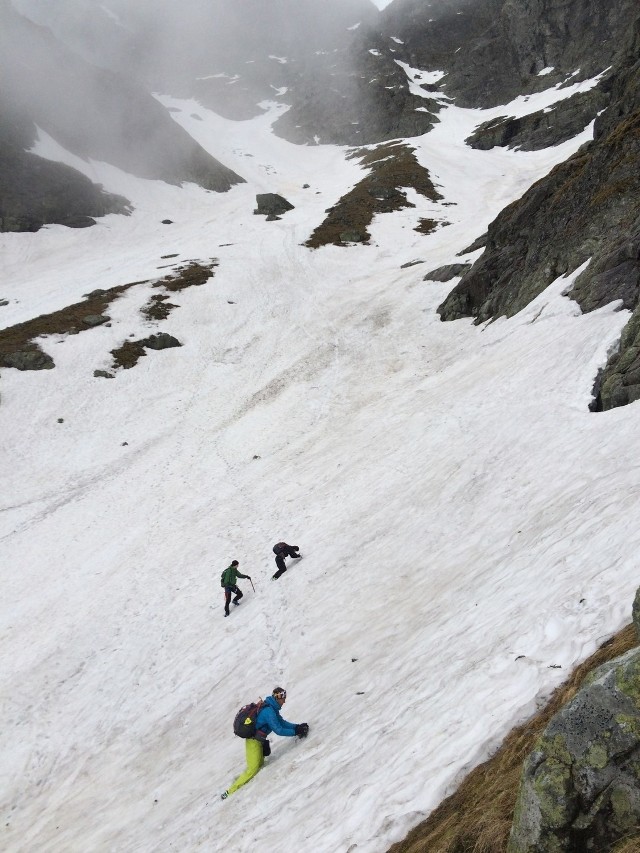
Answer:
(282, 550)
(228, 582)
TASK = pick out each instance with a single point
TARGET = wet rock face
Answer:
(619, 383)
(586, 209)
(492, 50)
(541, 129)
(580, 788)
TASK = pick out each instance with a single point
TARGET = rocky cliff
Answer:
(586, 209)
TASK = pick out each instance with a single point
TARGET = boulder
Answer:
(27, 359)
(160, 341)
(92, 320)
(271, 204)
(580, 788)
(352, 237)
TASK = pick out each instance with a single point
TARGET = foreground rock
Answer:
(580, 788)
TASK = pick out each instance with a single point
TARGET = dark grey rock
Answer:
(160, 341)
(31, 359)
(479, 243)
(580, 788)
(3, 302)
(271, 204)
(447, 272)
(104, 374)
(92, 320)
(352, 237)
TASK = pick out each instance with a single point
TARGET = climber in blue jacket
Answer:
(269, 719)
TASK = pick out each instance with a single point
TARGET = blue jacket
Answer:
(270, 720)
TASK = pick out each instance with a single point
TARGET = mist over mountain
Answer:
(92, 112)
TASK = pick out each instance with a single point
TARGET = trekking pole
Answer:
(251, 582)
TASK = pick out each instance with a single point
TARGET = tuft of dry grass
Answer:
(478, 816)
(393, 166)
(192, 275)
(128, 354)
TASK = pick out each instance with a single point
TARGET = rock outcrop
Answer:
(587, 208)
(580, 788)
(544, 128)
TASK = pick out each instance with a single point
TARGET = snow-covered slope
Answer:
(467, 525)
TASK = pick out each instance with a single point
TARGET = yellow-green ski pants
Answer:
(255, 760)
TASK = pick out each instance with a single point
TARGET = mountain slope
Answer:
(92, 112)
(464, 518)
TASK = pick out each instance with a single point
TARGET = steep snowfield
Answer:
(456, 504)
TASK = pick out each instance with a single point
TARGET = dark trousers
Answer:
(281, 566)
(228, 590)
(288, 551)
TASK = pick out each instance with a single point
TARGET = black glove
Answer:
(302, 730)
(266, 748)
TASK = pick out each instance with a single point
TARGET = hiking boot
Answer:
(236, 603)
(226, 612)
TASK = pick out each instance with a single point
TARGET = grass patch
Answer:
(393, 166)
(67, 321)
(22, 338)
(193, 275)
(478, 816)
(127, 355)
(426, 226)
